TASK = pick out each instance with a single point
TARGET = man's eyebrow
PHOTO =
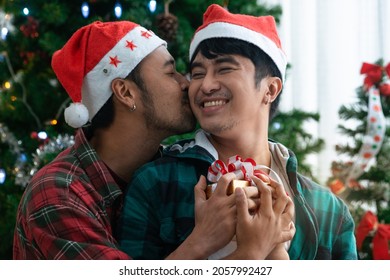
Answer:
(218, 60)
(169, 62)
(228, 59)
(196, 64)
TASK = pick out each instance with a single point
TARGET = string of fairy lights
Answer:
(152, 4)
(6, 19)
(6, 24)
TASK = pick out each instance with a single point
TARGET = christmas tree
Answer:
(363, 179)
(32, 128)
(288, 128)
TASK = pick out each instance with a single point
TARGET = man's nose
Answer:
(209, 84)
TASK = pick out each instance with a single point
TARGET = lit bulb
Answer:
(152, 6)
(2, 176)
(26, 11)
(42, 135)
(277, 125)
(118, 10)
(4, 32)
(53, 122)
(23, 157)
(7, 85)
(85, 9)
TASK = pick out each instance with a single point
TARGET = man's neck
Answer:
(124, 151)
(246, 145)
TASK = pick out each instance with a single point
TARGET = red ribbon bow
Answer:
(243, 169)
(374, 76)
(369, 223)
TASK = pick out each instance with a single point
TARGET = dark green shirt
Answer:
(158, 212)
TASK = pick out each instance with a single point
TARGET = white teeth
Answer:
(214, 103)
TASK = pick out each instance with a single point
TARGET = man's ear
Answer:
(124, 91)
(275, 86)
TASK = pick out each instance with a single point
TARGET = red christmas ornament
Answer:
(30, 29)
(337, 186)
(34, 135)
(27, 57)
(385, 89)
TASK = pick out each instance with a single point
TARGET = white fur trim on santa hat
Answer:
(96, 88)
(228, 30)
(76, 115)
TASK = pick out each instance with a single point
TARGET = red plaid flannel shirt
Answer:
(69, 208)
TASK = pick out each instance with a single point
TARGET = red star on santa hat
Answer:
(130, 45)
(146, 34)
(115, 61)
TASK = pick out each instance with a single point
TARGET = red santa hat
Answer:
(94, 56)
(260, 31)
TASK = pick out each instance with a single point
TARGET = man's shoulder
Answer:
(180, 160)
(178, 153)
(51, 183)
(320, 197)
(173, 162)
(65, 165)
(312, 188)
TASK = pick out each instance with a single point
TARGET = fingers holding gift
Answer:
(226, 186)
(282, 203)
(264, 177)
(266, 200)
(279, 189)
(287, 218)
(288, 233)
(278, 193)
(215, 218)
(267, 226)
(251, 192)
(253, 196)
(199, 190)
(219, 202)
(241, 204)
(221, 188)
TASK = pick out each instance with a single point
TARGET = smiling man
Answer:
(237, 70)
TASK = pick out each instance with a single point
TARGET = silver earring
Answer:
(132, 109)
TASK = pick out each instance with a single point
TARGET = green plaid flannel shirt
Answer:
(158, 212)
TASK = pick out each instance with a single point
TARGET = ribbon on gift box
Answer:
(243, 169)
(381, 232)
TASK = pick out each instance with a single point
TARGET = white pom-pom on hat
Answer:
(76, 115)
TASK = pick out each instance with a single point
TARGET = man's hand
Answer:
(215, 218)
(271, 224)
(215, 221)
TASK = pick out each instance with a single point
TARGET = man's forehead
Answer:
(160, 57)
(217, 59)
